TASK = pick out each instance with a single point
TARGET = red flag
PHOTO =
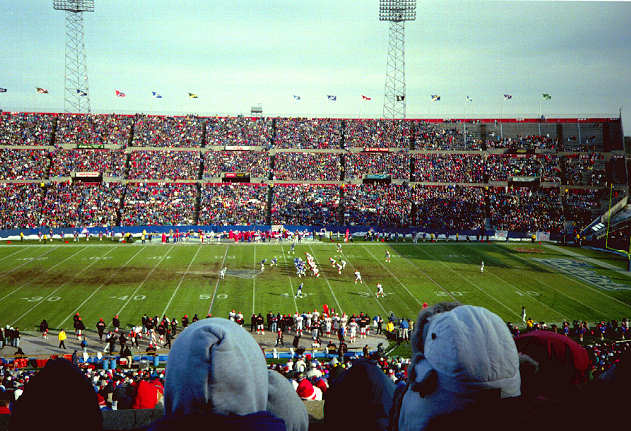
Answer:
(366, 97)
(119, 93)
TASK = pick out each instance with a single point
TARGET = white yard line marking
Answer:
(339, 307)
(368, 290)
(513, 312)
(212, 301)
(558, 291)
(29, 282)
(11, 254)
(291, 285)
(15, 268)
(59, 287)
(114, 271)
(164, 312)
(145, 279)
(397, 278)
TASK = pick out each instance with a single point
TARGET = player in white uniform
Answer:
(380, 290)
(482, 267)
(358, 278)
(353, 330)
(387, 256)
(299, 324)
(222, 273)
(332, 262)
(339, 268)
(343, 262)
(339, 248)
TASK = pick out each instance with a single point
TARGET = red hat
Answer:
(186, 315)
(321, 383)
(305, 390)
(101, 319)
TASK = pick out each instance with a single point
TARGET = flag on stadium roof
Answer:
(468, 99)
(81, 92)
(366, 97)
(156, 95)
(546, 96)
(331, 98)
(119, 93)
(435, 97)
(193, 96)
(400, 98)
(3, 90)
(296, 97)
(41, 90)
(508, 96)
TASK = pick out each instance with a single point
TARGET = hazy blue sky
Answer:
(243, 52)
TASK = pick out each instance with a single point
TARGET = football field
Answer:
(55, 281)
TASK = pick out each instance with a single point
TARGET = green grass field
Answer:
(55, 281)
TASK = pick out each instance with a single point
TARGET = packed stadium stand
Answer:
(447, 175)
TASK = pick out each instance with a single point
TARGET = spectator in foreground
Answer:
(47, 396)
(463, 356)
(217, 377)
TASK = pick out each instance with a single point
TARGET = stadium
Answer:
(125, 236)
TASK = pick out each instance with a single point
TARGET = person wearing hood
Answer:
(58, 386)
(463, 356)
(217, 376)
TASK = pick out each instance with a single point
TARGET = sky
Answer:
(241, 53)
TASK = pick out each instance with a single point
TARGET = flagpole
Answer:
(501, 117)
(539, 122)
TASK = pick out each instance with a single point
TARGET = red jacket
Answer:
(147, 394)
(4, 410)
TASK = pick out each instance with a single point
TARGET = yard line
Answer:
(146, 278)
(254, 281)
(180, 283)
(11, 254)
(476, 286)
(329, 284)
(114, 271)
(558, 291)
(369, 294)
(59, 287)
(212, 301)
(29, 282)
(291, 285)
(28, 261)
(397, 278)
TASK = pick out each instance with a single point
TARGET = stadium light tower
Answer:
(397, 12)
(76, 92)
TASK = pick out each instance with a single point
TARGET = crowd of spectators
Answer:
(159, 131)
(20, 205)
(305, 204)
(81, 204)
(239, 131)
(525, 210)
(431, 136)
(377, 205)
(397, 165)
(584, 170)
(448, 168)
(580, 205)
(307, 166)
(503, 167)
(368, 133)
(159, 204)
(164, 165)
(109, 163)
(528, 143)
(256, 163)
(26, 129)
(449, 208)
(93, 129)
(233, 204)
(24, 164)
(305, 133)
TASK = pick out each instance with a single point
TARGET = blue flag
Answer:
(3, 90)
(156, 95)
(435, 97)
(81, 92)
(331, 98)
(296, 97)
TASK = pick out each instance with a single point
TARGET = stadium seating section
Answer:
(444, 175)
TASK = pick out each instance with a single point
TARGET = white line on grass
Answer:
(476, 286)
(329, 284)
(59, 287)
(368, 290)
(291, 285)
(114, 272)
(523, 293)
(11, 254)
(397, 278)
(29, 282)
(15, 268)
(558, 291)
(212, 301)
(180, 283)
(143, 281)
